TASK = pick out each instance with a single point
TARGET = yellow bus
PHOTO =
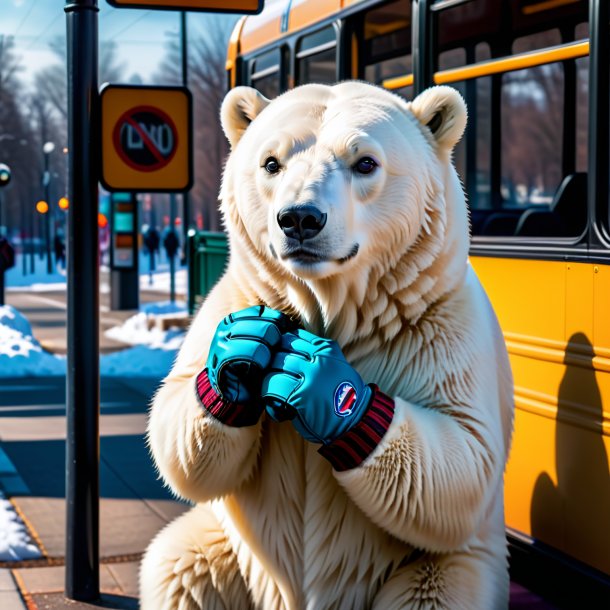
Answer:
(534, 163)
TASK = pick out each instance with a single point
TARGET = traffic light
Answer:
(63, 203)
(42, 207)
(5, 174)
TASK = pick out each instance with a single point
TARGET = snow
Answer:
(139, 361)
(163, 307)
(15, 542)
(20, 354)
(152, 354)
(141, 330)
(50, 287)
(154, 350)
(15, 277)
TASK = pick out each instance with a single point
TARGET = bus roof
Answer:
(281, 17)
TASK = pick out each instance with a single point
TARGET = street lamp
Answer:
(47, 149)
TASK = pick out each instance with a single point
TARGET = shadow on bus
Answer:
(571, 515)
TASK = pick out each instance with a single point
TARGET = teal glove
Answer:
(241, 350)
(311, 383)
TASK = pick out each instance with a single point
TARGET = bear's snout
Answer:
(301, 222)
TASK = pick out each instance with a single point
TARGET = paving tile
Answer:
(11, 600)
(126, 526)
(168, 509)
(127, 575)
(52, 580)
(46, 516)
(7, 582)
(56, 601)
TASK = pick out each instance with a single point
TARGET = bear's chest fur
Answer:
(292, 506)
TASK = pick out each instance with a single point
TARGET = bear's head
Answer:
(339, 190)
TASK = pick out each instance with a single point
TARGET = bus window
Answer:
(468, 23)
(386, 47)
(532, 110)
(317, 57)
(266, 73)
(537, 41)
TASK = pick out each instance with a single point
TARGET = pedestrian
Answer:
(59, 246)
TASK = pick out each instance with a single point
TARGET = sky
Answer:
(141, 35)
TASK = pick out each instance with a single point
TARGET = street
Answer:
(134, 505)
(46, 310)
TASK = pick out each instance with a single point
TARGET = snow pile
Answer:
(15, 542)
(20, 354)
(142, 329)
(155, 349)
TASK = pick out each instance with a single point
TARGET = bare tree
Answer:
(208, 83)
(51, 81)
(17, 142)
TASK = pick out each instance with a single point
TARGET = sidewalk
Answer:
(134, 505)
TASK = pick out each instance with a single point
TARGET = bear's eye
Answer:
(272, 165)
(365, 165)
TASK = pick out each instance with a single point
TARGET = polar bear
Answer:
(408, 514)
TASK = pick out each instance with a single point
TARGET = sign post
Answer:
(209, 6)
(124, 280)
(146, 139)
(83, 379)
(163, 174)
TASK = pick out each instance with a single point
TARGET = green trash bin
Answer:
(208, 256)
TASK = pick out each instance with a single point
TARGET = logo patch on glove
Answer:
(345, 399)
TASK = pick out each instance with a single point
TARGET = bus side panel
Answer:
(557, 478)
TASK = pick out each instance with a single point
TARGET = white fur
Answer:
(420, 523)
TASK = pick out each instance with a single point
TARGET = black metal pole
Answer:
(1, 235)
(47, 216)
(423, 45)
(24, 262)
(186, 204)
(171, 254)
(599, 123)
(83, 383)
(31, 225)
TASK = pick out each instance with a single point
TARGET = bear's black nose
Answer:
(301, 222)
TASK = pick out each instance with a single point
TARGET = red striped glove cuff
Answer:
(353, 447)
(229, 413)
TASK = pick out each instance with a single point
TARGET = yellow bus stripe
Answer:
(545, 6)
(497, 66)
(398, 81)
(516, 62)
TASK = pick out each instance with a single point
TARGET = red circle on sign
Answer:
(145, 148)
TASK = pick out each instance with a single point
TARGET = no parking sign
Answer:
(146, 138)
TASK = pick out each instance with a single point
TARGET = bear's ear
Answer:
(443, 111)
(239, 108)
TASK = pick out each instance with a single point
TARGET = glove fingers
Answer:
(258, 330)
(308, 344)
(262, 312)
(291, 363)
(278, 387)
(248, 351)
